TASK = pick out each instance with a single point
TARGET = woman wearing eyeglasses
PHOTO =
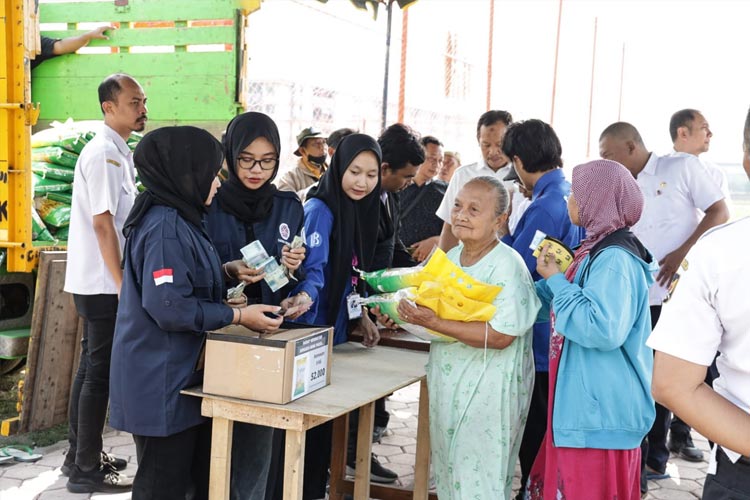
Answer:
(250, 208)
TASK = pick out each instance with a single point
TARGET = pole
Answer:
(591, 91)
(554, 71)
(402, 80)
(622, 78)
(387, 61)
(489, 53)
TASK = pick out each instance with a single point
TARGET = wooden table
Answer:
(396, 338)
(359, 377)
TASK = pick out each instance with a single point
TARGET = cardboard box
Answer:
(276, 368)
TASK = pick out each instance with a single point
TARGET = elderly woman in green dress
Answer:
(480, 378)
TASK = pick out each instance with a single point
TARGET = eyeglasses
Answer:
(247, 163)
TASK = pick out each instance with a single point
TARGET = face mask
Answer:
(318, 160)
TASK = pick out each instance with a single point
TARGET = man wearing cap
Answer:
(311, 164)
(535, 153)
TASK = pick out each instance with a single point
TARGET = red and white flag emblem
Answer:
(163, 276)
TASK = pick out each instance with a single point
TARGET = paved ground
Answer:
(42, 480)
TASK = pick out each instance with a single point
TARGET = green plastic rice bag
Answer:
(388, 304)
(78, 143)
(56, 136)
(53, 213)
(62, 233)
(52, 171)
(63, 197)
(55, 154)
(133, 140)
(39, 231)
(44, 186)
(394, 279)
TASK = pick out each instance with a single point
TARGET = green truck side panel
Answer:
(157, 36)
(182, 87)
(136, 10)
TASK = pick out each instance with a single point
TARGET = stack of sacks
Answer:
(54, 155)
(437, 284)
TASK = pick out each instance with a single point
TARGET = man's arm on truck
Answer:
(73, 43)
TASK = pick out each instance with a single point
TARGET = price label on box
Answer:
(310, 365)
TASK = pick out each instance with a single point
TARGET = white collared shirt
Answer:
(467, 172)
(104, 182)
(717, 174)
(677, 190)
(708, 313)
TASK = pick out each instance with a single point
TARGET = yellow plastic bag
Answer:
(441, 269)
(450, 303)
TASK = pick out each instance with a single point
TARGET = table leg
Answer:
(221, 458)
(338, 457)
(422, 464)
(294, 464)
(364, 452)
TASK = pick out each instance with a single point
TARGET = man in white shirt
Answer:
(691, 135)
(490, 131)
(709, 313)
(681, 203)
(103, 194)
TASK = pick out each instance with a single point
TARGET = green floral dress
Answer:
(479, 400)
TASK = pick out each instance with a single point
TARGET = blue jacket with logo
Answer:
(278, 229)
(548, 213)
(603, 389)
(318, 224)
(171, 295)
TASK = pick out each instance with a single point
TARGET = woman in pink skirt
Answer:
(600, 403)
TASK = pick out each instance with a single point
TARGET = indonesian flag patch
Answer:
(163, 276)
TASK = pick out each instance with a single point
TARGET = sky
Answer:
(678, 54)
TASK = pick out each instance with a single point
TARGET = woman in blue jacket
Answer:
(248, 208)
(341, 224)
(600, 368)
(171, 295)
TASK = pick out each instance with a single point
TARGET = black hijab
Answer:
(248, 205)
(355, 223)
(177, 165)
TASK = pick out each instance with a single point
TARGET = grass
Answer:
(8, 400)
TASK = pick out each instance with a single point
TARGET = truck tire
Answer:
(16, 300)
(8, 365)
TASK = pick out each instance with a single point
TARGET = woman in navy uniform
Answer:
(248, 208)
(171, 295)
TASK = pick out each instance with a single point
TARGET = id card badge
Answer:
(354, 305)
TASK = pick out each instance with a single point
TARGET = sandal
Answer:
(19, 453)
